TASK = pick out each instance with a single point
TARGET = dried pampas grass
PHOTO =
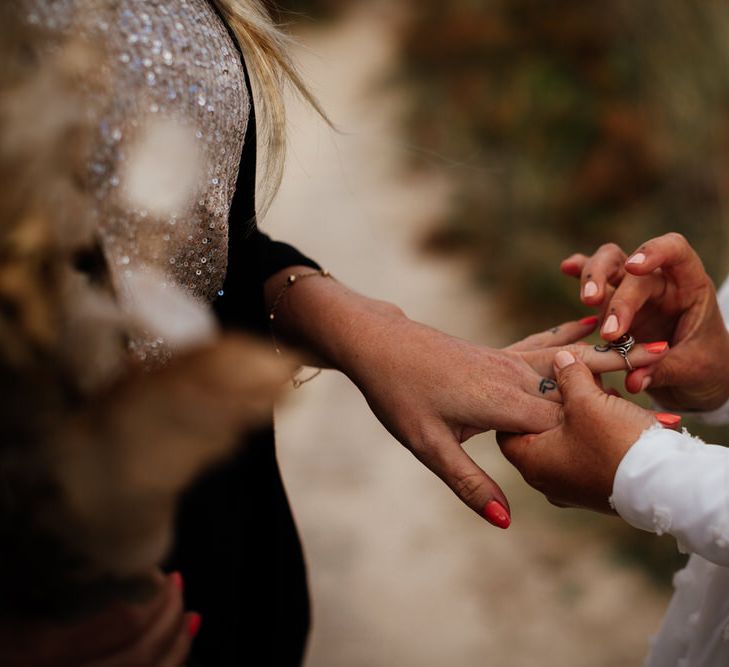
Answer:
(94, 451)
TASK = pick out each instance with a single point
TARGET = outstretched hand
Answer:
(661, 292)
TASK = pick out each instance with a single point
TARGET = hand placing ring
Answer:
(622, 346)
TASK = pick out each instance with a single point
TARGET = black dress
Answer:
(237, 545)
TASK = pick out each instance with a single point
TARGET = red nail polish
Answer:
(496, 514)
(193, 624)
(178, 581)
(656, 348)
(668, 420)
(591, 320)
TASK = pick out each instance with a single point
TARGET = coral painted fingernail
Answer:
(590, 289)
(193, 624)
(592, 320)
(656, 348)
(563, 359)
(611, 325)
(178, 581)
(668, 420)
(646, 383)
(638, 258)
(496, 514)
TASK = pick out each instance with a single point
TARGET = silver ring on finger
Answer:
(622, 346)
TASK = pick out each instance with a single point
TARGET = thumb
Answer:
(445, 457)
(574, 378)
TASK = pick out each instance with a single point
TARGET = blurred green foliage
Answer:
(567, 124)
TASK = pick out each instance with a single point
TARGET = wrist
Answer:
(716, 363)
(325, 319)
(358, 342)
(715, 392)
(724, 372)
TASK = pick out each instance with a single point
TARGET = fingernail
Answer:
(496, 514)
(646, 383)
(590, 289)
(611, 325)
(592, 320)
(657, 348)
(178, 581)
(193, 624)
(638, 258)
(668, 420)
(563, 359)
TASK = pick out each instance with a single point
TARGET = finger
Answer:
(527, 453)
(107, 631)
(670, 252)
(575, 380)
(515, 447)
(599, 359)
(639, 380)
(161, 632)
(443, 455)
(175, 655)
(573, 265)
(669, 421)
(606, 267)
(598, 381)
(563, 334)
(629, 297)
(545, 387)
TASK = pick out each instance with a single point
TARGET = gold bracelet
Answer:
(290, 282)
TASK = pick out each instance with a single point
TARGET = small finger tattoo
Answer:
(554, 330)
(546, 385)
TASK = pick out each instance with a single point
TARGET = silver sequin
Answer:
(175, 60)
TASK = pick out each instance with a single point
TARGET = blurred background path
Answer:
(401, 573)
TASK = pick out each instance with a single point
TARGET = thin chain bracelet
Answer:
(290, 282)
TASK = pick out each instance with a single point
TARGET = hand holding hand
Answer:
(574, 464)
(662, 292)
(156, 633)
(433, 392)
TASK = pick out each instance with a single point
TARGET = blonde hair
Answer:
(266, 48)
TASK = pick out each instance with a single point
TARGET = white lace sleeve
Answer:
(671, 482)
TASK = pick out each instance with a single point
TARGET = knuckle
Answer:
(619, 302)
(610, 249)
(676, 237)
(424, 445)
(469, 486)
(569, 371)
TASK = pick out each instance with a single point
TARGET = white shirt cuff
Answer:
(671, 482)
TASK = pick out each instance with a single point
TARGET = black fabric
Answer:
(236, 543)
